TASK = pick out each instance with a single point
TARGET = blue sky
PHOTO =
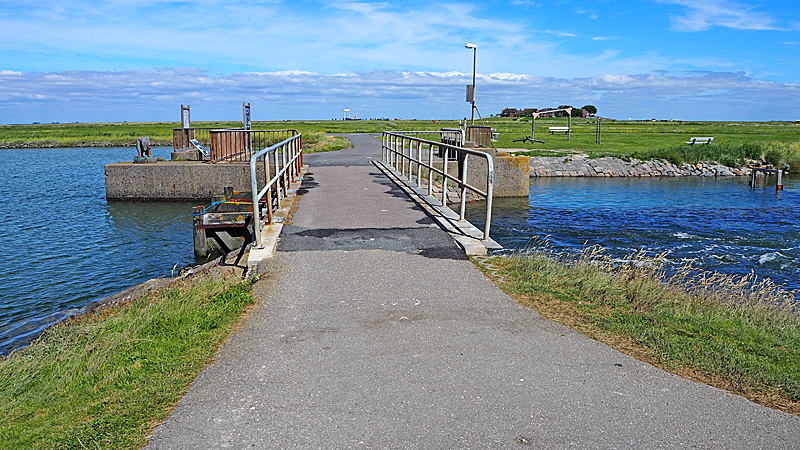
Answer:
(139, 60)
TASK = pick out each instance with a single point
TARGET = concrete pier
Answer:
(174, 180)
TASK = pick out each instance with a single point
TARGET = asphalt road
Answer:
(374, 331)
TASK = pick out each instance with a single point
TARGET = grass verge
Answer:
(316, 142)
(741, 334)
(106, 379)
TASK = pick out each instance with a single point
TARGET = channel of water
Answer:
(67, 247)
(718, 224)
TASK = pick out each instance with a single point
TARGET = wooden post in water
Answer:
(200, 248)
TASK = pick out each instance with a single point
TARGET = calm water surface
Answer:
(720, 224)
(66, 246)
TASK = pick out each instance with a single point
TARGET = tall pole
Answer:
(474, 68)
(474, 71)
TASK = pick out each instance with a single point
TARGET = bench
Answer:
(554, 130)
(700, 140)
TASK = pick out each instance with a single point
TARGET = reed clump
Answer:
(783, 155)
(740, 333)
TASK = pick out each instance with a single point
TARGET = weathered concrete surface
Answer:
(173, 180)
(373, 333)
(512, 173)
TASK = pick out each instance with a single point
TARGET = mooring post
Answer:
(200, 249)
(779, 184)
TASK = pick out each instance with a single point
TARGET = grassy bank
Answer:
(104, 380)
(617, 137)
(736, 333)
(785, 155)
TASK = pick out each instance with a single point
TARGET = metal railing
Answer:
(285, 160)
(238, 145)
(413, 157)
(452, 136)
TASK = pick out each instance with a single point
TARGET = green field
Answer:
(777, 142)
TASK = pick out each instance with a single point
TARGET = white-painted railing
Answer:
(285, 160)
(413, 157)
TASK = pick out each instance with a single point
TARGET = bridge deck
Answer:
(374, 331)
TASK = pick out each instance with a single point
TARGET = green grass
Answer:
(776, 142)
(104, 380)
(739, 333)
(617, 137)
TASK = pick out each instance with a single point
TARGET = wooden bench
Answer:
(554, 130)
(700, 140)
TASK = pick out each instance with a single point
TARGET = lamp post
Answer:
(471, 89)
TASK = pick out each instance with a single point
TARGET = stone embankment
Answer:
(582, 166)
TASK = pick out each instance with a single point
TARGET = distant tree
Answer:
(590, 109)
(564, 113)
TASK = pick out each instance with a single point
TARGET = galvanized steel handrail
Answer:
(452, 136)
(287, 161)
(410, 155)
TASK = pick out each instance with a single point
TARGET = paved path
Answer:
(376, 333)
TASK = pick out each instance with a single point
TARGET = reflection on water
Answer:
(719, 224)
(67, 247)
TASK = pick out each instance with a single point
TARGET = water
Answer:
(719, 224)
(67, 247)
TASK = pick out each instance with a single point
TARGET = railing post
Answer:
(463, 158)
(444, 178)
(268, 193)
(410, 159)
(255, 194)
(489, 196)
(419, 166)
(430, 169)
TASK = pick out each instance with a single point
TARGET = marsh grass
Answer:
(779, 154)
(740, 333)
(104, 380)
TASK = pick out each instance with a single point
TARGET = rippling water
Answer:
(66, 246)
(720, 224)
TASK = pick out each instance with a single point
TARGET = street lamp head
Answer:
(469, 45)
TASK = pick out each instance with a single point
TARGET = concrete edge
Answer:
(271, 233)
(466, 235)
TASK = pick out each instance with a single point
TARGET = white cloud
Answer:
(705, 14)
(154, 95)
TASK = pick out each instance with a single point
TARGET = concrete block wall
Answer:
(172, 180)
(512, 174)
